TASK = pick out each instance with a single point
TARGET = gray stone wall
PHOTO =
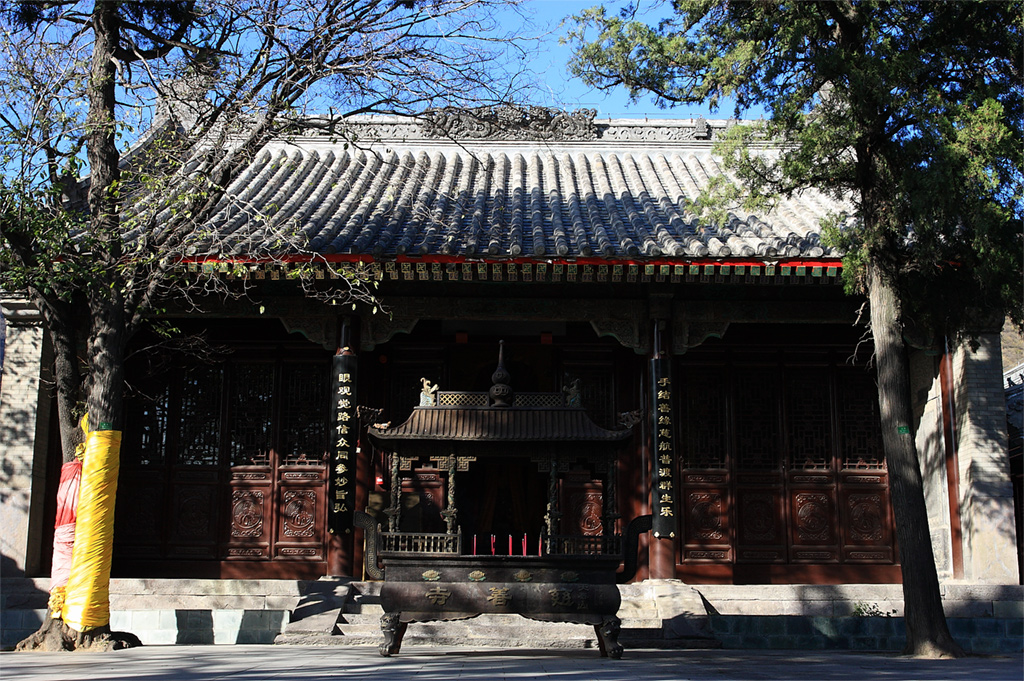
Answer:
(853, 600)
(984, 619)
(926, 392)
(746, 632)
(24, 418)
(986, 493)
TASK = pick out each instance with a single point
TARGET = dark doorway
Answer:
(503, 500)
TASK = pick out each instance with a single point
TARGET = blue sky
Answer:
(569, 93)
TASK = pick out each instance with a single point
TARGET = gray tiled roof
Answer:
(401, 191)
(499, 425)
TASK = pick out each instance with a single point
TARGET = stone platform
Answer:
(655, 614)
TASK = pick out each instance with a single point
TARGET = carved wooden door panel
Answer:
(706, 499)
(194, 490)
(782, 463)
(760, 491)
(224, 463)
(864, 508)
(250, 411)
(301, 473)
(810, 459)
(277, 418)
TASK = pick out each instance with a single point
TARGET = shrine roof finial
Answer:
(501, 392)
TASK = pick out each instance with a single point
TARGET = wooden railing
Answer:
(420, 542)
(583, 545)
(440, 544)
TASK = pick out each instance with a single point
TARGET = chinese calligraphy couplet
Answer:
(663, 494)
(344, 439)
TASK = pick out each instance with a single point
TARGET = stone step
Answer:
(483, 631)
(373, 609)
(373, 618)
(356, 607)
(499, 632)
(638, 609)
(653, 615)
(364, 597)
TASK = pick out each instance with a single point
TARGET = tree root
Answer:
(942, 648)
(55, 636)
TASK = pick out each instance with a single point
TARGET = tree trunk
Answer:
(61, 323)
(106, 293)
(927, 632)
(85, 610)
(54, 636)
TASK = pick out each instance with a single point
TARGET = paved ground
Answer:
(306, 663)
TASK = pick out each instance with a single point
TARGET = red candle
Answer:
(492, 544)
(474, 544)
(524, 544)
(510, 545)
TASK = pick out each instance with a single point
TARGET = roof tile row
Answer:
(529, 202)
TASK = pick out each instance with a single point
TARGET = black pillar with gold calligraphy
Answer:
(344, 438)
(663, 448)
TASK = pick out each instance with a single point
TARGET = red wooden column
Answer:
(662, 438)
(952, 462)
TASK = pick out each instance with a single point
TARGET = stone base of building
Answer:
(984, 619)
(976, 635)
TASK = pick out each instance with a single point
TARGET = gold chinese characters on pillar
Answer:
(663, 492)
(344, 440)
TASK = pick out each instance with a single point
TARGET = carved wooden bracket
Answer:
(380, 329)
(625, 320)
(689, 333)
(629, 332)
(695, 322)
(317, 329)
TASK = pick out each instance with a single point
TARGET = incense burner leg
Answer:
(608, 637)
(394, 629)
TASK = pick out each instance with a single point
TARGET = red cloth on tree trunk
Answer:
(64, 533)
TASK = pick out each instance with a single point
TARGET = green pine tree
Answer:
(909, 111)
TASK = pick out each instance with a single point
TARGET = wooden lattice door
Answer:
(782, 464)
(224, 467)
(275, 456)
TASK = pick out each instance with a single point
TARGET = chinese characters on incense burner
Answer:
(509, 596)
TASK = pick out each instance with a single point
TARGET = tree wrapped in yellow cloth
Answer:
(85, 612)
(87, 595)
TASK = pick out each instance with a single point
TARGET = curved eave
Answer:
(447, 424)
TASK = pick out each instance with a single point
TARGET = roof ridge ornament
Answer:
(573, 394)
(500, 394)
(428, 393)
(508, 122)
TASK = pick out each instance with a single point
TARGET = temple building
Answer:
(561, 351)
